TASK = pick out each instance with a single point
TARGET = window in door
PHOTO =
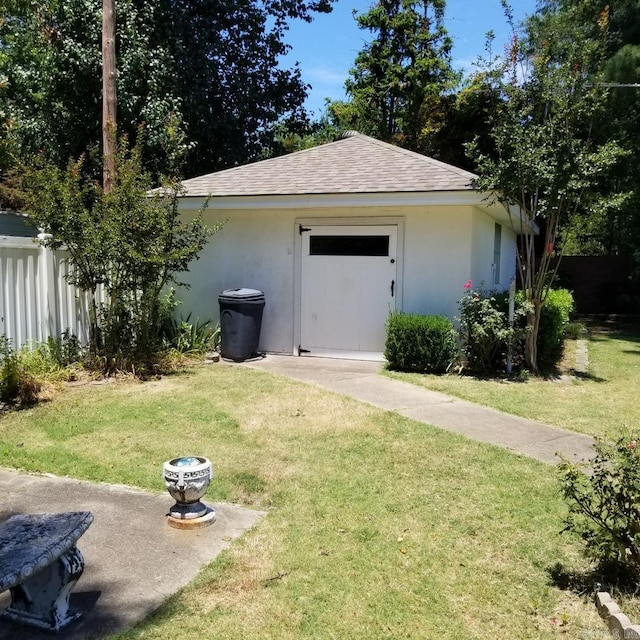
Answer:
(349, 245)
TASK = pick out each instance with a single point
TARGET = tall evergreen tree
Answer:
(399, 78)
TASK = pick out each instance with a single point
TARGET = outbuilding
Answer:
(340, 235)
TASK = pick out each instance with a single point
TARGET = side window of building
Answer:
(497, 244)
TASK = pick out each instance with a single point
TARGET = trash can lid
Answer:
(243, 294)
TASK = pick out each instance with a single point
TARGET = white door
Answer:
(348, 288)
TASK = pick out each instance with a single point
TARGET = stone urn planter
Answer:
(187, 479)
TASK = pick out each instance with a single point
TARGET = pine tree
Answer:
(399, 79)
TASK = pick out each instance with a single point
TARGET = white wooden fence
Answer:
(35, 299)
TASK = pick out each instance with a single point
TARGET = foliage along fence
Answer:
(36, 301)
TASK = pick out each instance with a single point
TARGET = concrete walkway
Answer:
(362, 381)
(133, 560)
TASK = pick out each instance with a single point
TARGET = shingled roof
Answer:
(353, 164)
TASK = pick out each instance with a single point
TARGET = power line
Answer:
(614, 85)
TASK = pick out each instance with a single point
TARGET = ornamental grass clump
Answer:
(17, 383)
(27, 373)
(603, 497)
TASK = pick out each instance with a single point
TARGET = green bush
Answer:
(486, 335)
(485, 332)
(603, 497)
(66, 350)
(425, 344)
(8, 370)
(554, 319)
(25, 372)
(53, 358)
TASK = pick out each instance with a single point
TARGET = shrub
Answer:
(554, 319)
(51, 359)
(24, 373)
(603, 497)
(486, 335)
(425, 344)
(485, 332)
(8, 370)
(124, 248)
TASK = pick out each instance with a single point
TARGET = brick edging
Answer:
(618, 623)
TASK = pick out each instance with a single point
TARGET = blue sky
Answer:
(326, 48)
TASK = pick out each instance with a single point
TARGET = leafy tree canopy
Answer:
(544, 157)
(206, 67)
(612, 225)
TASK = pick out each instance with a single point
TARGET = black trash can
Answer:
(240, 323)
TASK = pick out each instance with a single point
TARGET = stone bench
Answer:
(40, 564)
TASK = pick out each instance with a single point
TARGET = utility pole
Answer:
(109, 100)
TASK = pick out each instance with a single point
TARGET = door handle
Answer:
(393, 284)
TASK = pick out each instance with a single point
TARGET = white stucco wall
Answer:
(442, 247)
(437, 259)
(483, 253)
(254, 249)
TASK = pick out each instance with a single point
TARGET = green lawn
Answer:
(377, 526)
(604, 403)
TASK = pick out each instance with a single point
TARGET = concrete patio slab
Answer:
(133, 560)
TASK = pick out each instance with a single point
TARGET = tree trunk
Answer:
(531, 339)
(94, 327)
(108, 93)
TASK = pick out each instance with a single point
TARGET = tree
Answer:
(229, 80)
(11, 195)
(399, 80)
(121, 242)
(613, 227)
(207, 67)
(545, 160)
(290, 137)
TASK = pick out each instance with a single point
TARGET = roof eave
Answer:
(323, 200)
(510, 215)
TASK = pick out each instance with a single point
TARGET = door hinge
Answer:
(302, 229)
(301, 350)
